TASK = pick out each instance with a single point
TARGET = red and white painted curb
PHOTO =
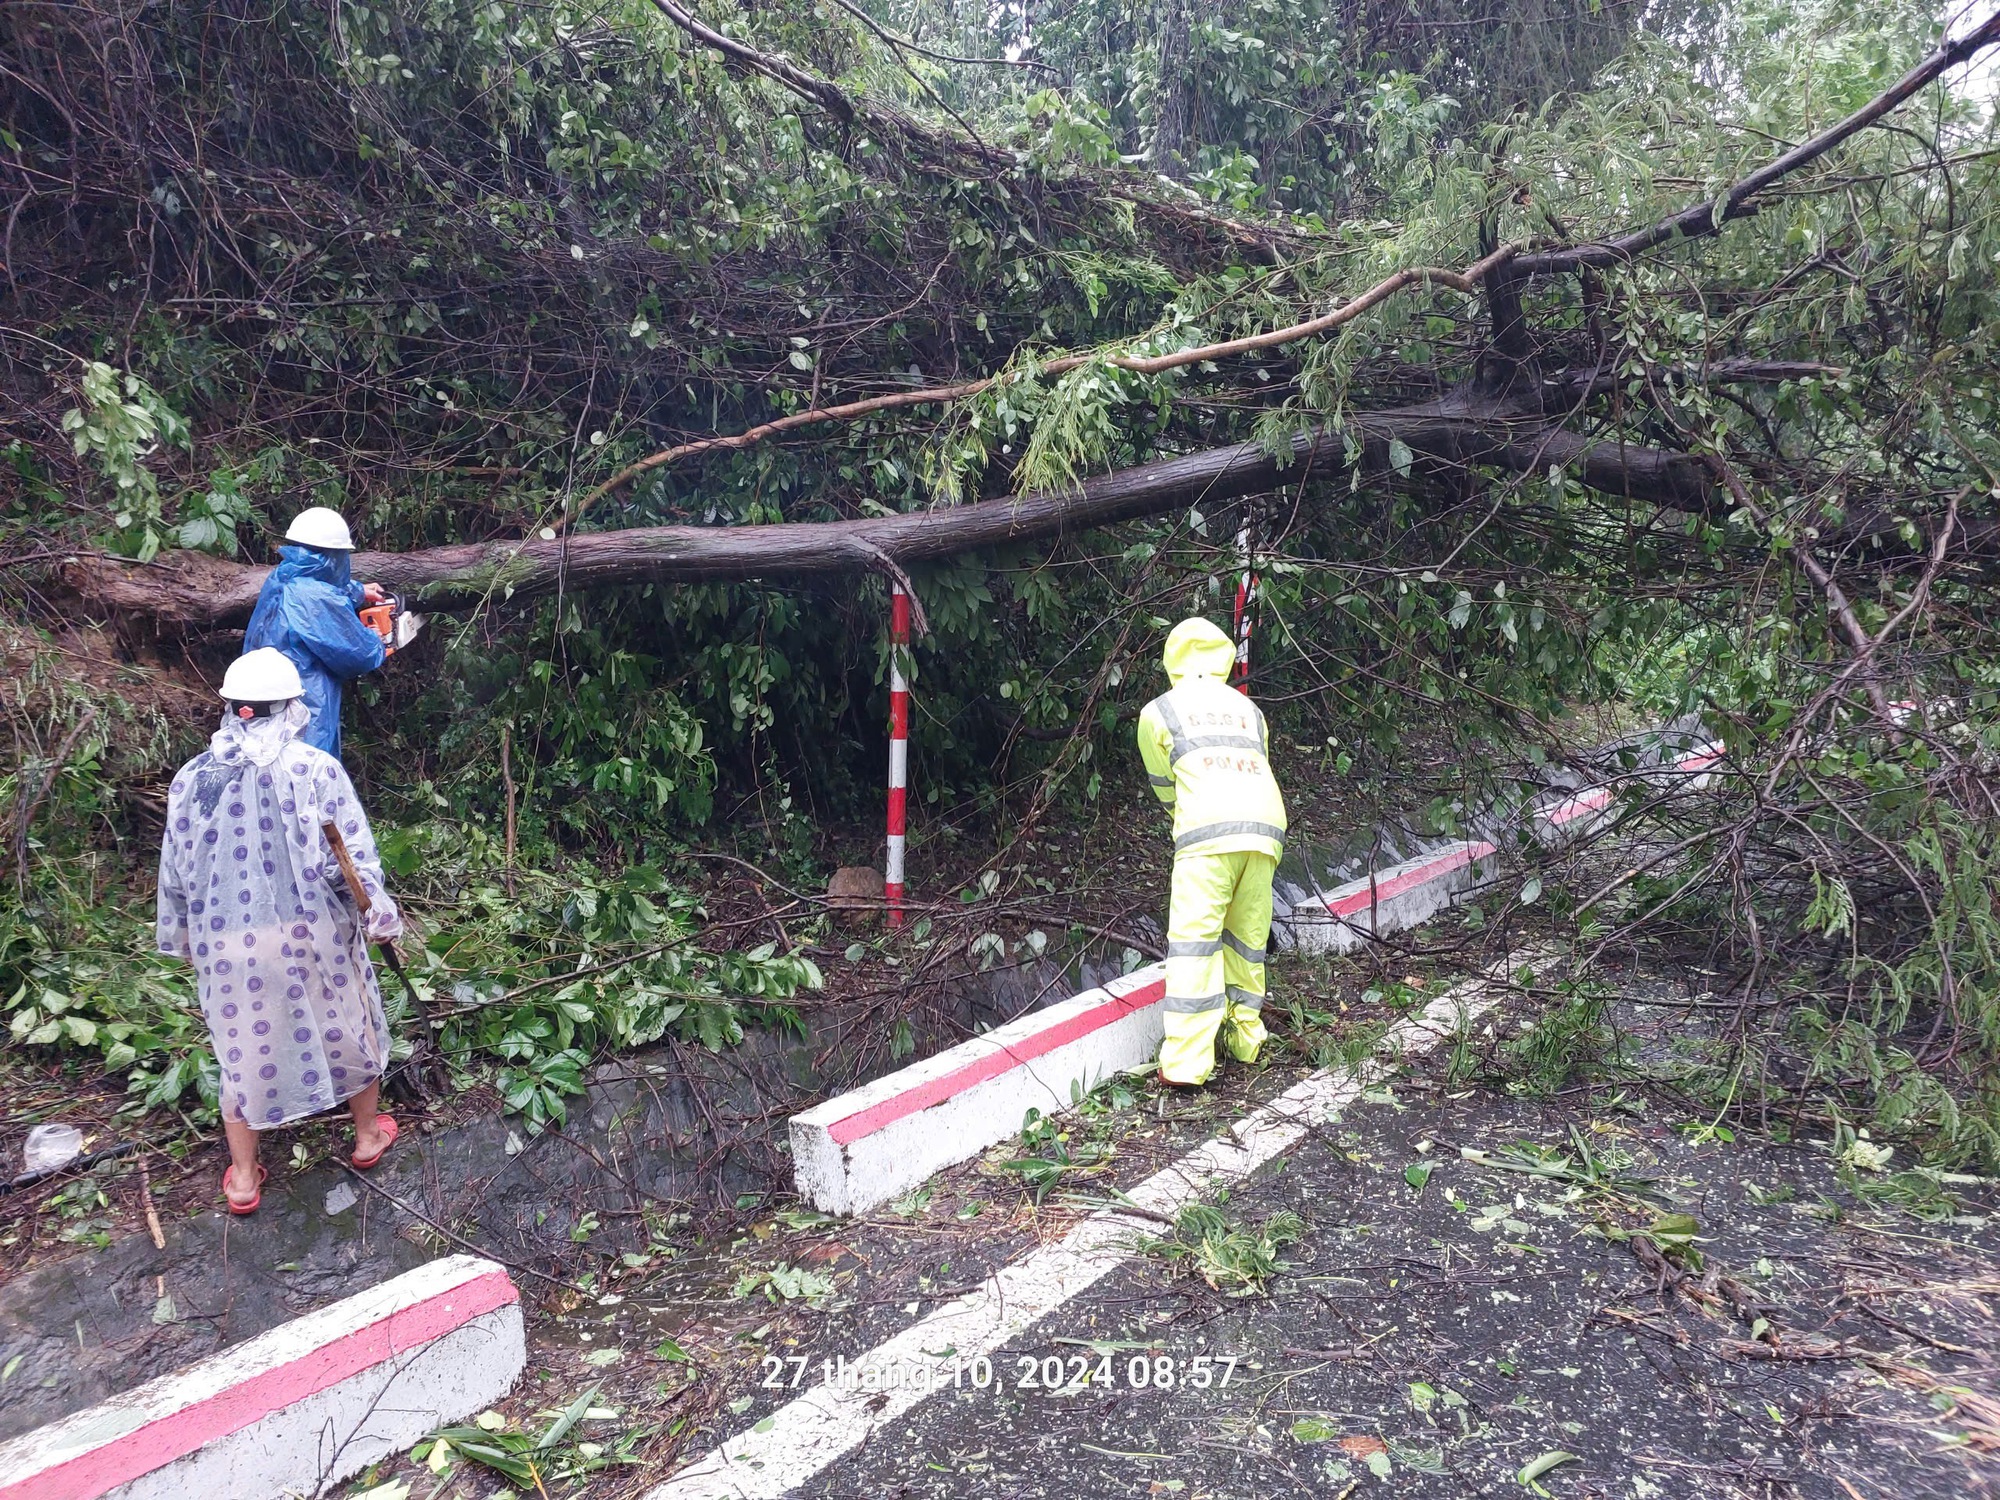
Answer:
(1584, 810)
(297, 1409)
(872, 1144)
(1407, 894)
(864, 1148)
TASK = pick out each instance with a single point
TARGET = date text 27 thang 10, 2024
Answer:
(1050, 1372)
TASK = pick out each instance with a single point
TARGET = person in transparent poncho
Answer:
(252, 895)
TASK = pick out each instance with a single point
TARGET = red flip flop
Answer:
(240, 1209)
(388, 1127)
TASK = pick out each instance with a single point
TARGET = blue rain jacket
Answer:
(308, 610)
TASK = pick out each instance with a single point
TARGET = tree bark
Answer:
(188, 589)
(193, 590)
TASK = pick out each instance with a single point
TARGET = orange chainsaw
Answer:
(396, 625)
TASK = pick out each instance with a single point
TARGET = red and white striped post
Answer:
(1246, 594)
(899, 750)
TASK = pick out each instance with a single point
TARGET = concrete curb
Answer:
(1410, 893)
(1393, 900)
(1584, 812)
(861, 1149)
(296, 1409)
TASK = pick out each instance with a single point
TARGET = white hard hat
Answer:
(316, 526)
(265, 675)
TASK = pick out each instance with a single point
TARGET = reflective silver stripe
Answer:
(1181, 742)
(1159, 780)
(1222, 830)
(1221, 742)
(1250, 954)
(1176, 733)
(1189, 1005)
(1196, 949)
(1242, 997)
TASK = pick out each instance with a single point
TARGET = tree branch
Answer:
(780, 70)
(907, 44)
(1694, 222)
(1460, 281)
(1837, 602)
(1699, 220)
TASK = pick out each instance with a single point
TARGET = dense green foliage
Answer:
(449, 264)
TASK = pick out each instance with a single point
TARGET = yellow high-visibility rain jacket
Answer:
(1207, 751)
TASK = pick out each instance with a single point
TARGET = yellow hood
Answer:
(1197, 649)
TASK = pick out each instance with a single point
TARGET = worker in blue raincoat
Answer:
(309, 609)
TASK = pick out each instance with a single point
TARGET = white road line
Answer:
(800, 1439)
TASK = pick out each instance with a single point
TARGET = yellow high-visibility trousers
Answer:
(1218, 922)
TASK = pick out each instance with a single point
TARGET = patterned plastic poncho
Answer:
(252, 896)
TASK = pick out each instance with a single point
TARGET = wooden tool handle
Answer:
(339, 847)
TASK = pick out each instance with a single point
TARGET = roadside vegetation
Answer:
(462, 270)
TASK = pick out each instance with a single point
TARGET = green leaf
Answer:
(1679, 1228)
(519, 1093)
(501, 1452)
(1535, 1468)
(1417, 1173)
(803, 1218)
(1400, 456)
(571, 1415)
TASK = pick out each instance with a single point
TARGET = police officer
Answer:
(1207, 754)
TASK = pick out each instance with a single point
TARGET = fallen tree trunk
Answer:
(193, 590)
